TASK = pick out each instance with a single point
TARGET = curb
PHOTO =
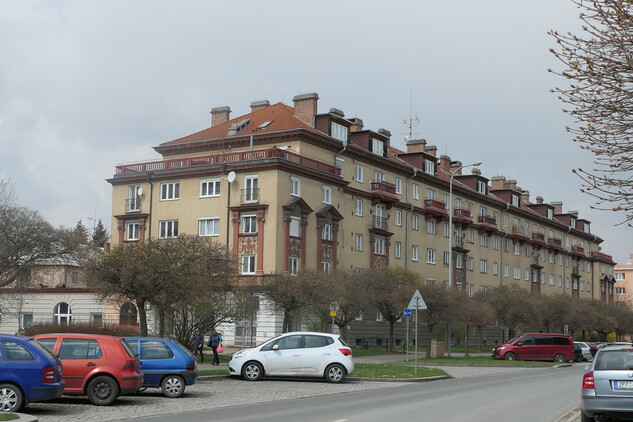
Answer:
(425, 379)
(23, 417)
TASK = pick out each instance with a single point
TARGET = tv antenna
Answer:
(412, 121)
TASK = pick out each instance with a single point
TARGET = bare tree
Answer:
(438, 302)
(598, 63)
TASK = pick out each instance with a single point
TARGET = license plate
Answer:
(622, 385)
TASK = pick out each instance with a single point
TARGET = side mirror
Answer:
(519, 343)
(275, 347)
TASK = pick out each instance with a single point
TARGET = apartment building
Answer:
(288, 187)
(624, 283)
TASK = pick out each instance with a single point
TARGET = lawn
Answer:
(8, 416)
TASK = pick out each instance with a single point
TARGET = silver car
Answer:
(607, 386)
(304, 354)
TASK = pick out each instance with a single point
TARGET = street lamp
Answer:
(450, 238)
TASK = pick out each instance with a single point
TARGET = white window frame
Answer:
(327, 194)
(167, 229)
(170, 191)
(483, 266)
(360, 173)
(251, 188)
(132, 231)
(517, 273)
(377, 147)
(295, 186)
(380, 246)
(430, 256)
(415, 222)
(326, 267)
(398, 218)
(414, 253)
(358, 207)
(340, 163)
(398, 186)
(339, 132)
(415, 191)
(397, 249)
(205, 223)
(294, 265)
(249, 221)
(210, 188)
(294, 229)
(431, 226)
(326, 232)
(358, 242)
(248, 264)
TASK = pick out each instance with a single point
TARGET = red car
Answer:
(537, 346)
(101, 367)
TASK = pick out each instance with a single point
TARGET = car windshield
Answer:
(513, 339)
(43, 348)
(614, 360)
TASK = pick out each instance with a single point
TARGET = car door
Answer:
(524, 349)
(543, 349)
(157, 359)
(284, 357)
(316, 354)
(79, 358)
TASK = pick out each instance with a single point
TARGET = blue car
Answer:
(166, 364)
(28, 372)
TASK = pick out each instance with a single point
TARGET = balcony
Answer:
(462, 218)
(578, 251)
(520, 233)
(133, 204)
(487, 224)
(602, 257)
(249, 196)
(554, 243)
(384, 192)
(228, 158)
(379, 223)
(538, 240)
(435, 209)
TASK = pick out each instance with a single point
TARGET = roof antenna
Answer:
(412, 121)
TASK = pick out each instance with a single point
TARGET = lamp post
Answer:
(450, 240)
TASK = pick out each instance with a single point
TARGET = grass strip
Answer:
(386, 370)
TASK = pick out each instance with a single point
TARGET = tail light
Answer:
(346, 352)
(48, 375)
(191, 367)
(587, 381)
(132, 365)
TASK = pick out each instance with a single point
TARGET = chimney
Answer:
(337, 112)
(573, 212)
(525, 196)
(357, 125)
(384, 132)
(416, 145)
(558, 207)
(497, 182)
(454, 166)
(445, 162)
(476, 172)
(431, 149)
(306, 107)
(510, 184)
(539, 199)
(257, 105)
(220, 115)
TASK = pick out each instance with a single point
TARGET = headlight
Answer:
(239, 354)
(501, 348)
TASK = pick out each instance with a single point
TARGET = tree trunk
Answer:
(479, 339)
(142, 316)
(466, 339)
(391, 335)
(428, 344)
(284, 325)
(161, 323)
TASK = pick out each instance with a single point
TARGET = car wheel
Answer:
(103, 391)
(590, 358)
(335, 373)
(510, 356)
(560, 358)
(10, 398)
(584, 418)
(173, 386)
(252, 371)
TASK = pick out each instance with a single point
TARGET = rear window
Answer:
(42, 348)
(151, 349)
(48, 342)
(317, 341)
(15, 351)
(542, 341)
(614, 360)
(130, 351)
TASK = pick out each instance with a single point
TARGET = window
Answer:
(169, 191)
(430, 194)
(359, 173)
(515, 200)
(398, 186)
(483, 240)
(132, 231)
(495, 268)
(415, 191)
(398, 218)
(326, 267)
(249, 224)
(471, 236)
(446, 230)
(446, 259)
(620, 290)
(481, 187)
(483, 266)
(326, 232)
(62, 314)
(295, 227)
(15, 351)
(415, 222)
(429, 167)
(358, 244)
(459, 261)
(414, 253)
(152, 349)
(327, 195)
(379, 176)
(79, 348)
(619, 276)
(505, 220)
(294, 265)
(248, 264)
(377, 147)
(295, 186)
(471, 290)
(471, 263)
(560, 281)
(430, 256)
(431, 226)
(96, 319)
(168, 229)
(397, 249)
(379, 317)
(379, 246)
(552, 279)
(209, 188)
(495, 243)
(134, 198)
(506, 270)
(550, 213)
(506, 245)
(527, 274)
(209, 226)
(358, 207)
(339, 132)
(251, 188)
(26, 320)
(340, 163)
(517, 248)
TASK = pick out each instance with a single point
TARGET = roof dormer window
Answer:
(515, 200)
(481, 187)
(550, 213)
(429, 167)
(339, 132)
(572, 223)
(377, 147)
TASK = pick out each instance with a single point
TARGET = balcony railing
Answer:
(484, 219)
(596, 254)
(379, 223)
(434, 203)
(250, 195)
(557, 243)
(578, 249)
(385, 187)
(519, 230)
(133, 204)
(539, 237)
(460, 212)
(227, 158)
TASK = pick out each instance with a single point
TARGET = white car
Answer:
(586, 350)
(304, 354)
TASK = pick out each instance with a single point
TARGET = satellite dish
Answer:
(231, 177)
(140, 191)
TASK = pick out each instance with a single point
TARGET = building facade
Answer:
(288, 187)
(624, 283)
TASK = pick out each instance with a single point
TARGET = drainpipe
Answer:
(151, 202)
(565, 264)
(505, 234)
(406, 216)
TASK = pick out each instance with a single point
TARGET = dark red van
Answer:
(537, 346)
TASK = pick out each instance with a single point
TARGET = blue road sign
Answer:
(407, 313)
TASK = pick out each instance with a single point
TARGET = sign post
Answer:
(333, 314)
(407, 315)
(416, 303)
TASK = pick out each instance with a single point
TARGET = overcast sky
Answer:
(87, 85)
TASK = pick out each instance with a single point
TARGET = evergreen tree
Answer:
(81, 233)
(100, 235)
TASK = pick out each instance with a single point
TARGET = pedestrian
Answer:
(215, 340)
(198, 340)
